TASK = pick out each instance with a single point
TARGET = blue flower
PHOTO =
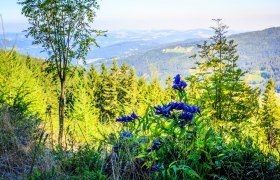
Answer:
(163, 110)
(148, 150)
(192, 109)
(155, 168)
(155, 145)
(178, 84)
(166, 109)
(126, 134)
(127, 118)
(124, 119)
(186, 115)
(134, 116)
(179, 106)
(177, 79)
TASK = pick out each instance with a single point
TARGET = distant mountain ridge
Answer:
(115, 44)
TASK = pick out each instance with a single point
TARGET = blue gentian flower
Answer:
(148, 150)
(178, 84)
(186, 116)
(124, 119)
(163, 110)
(126, 134)
(155, 145)
(155, 167)
(134, 116)
(127, 118)
(180, 106)
(177, 79)
(192, 109)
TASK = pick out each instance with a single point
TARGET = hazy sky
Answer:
(167, 14)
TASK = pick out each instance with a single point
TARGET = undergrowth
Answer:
(171, 141)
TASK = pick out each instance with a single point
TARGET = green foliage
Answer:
(224, 94)
(107, 100)
(154, 145)
(19, 86)
(270, 113)
(270, 107)
(86, 163)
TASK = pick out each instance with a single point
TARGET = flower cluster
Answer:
(180, 112)
(178, 84)
(186, 116)
(127, 118)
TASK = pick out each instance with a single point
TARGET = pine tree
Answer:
(107, 100)
(83, 113)
(169, 94)
(93, 80)
(224, 95)
(123, 90)
(270, 113)
(155, 93)
(20, 87)
(142, 95)
(131, 96)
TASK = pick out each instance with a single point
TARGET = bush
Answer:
(86, 163)
(174, 141)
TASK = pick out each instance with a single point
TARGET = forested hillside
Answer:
(259, 54)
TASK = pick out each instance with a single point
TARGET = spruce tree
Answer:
(82, 112)
(131, 95)
(93, 80)
(123, 89)
(107, 100)
(169, 94)
(224, 95)
(142, 95)
(270, 113)
(155, 93)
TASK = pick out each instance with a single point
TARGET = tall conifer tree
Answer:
(223, 90)
(270, 112)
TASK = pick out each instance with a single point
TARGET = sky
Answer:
(242, 15)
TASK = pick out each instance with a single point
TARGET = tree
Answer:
(123, 89)
(142, 96)
(270, 112)
(223, 90)
(169, 94)
(63, 29)
(155, 93)
(108, 98)
(93, 85)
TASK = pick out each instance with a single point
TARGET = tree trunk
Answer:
(61, 112)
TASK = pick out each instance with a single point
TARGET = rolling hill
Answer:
(259, 55)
